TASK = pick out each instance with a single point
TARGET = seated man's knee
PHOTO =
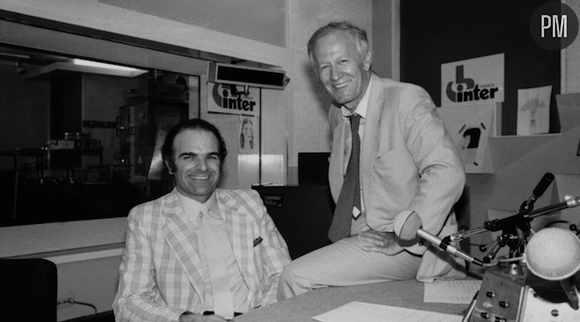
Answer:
(288, 273)
(290, 283)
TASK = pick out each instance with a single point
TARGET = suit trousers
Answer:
(344, 263)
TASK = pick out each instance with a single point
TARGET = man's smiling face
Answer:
(197, 163)
(342, 69)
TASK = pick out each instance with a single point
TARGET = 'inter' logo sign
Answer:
(233, 99)
(554, 26)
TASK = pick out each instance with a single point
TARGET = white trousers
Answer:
(344, 263)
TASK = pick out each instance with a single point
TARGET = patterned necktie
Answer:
(215, 250)
(350, 193)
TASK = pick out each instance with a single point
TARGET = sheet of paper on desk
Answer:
(367, 312)
(454, 292)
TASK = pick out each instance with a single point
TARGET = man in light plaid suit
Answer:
(165, 274)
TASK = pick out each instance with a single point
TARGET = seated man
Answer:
(198, 253)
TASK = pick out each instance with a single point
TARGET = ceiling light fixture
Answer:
(89, 63)
(83, 66)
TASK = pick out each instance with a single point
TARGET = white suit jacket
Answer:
(408, 162)
(161, 273)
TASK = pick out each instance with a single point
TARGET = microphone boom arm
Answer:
(508, 224)
(527, 216)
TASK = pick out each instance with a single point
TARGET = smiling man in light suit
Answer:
(198, 253)
(406, 161)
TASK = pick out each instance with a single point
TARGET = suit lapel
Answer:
(240, 232)
(371, 136)
(180, 238)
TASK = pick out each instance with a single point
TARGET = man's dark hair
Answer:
(358, 34)
(167, 150)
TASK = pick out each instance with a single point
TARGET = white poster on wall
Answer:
(248, 135)
(534, 110)
(473, 81)
(469, 127)
(231, 99)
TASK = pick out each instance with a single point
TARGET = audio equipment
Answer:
(513, 294)
(536, 283)
(302, 214)
(538, 191)
(544, 290)
(553, 254)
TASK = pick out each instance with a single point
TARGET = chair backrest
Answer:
(28, 290)
(302, 214)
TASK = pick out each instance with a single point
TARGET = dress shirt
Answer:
(238, 286)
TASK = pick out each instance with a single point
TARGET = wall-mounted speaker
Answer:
(247, 76)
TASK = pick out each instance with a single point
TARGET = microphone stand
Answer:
(506, 284)
(515, 229)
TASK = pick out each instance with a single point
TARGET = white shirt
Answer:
(237, 284)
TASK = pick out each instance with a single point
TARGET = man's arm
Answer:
(441, 171)
(135, 298)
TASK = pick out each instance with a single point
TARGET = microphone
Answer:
(554, 255)
(408, 226)
(538, 191)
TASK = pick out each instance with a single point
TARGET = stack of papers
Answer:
(359, 311)
(452, 292)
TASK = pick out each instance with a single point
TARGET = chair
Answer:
(28, 290)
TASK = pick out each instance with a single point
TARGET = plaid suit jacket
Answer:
(161, 274)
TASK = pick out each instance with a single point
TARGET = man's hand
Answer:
(382, 242)
(190, 317)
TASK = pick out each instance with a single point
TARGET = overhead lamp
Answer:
(83, 66)
(89, 63)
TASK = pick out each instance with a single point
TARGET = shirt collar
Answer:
(192, 206)
(362, 106)
(212, 205)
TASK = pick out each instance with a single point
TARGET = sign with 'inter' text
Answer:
(473, 81)
(232, 99)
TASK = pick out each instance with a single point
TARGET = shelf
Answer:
(495, 151)
(506, 149)
(43, 159)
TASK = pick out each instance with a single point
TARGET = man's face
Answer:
(341, 69)
(197, 164)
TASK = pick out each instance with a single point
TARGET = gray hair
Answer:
(358, 34)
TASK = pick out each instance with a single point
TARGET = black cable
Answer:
(573, 227)
(478, 245)
(557, 222)
(87, 304)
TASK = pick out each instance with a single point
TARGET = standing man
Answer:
(198, 253)
(403, 160)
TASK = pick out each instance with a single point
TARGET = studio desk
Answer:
(407, 294)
